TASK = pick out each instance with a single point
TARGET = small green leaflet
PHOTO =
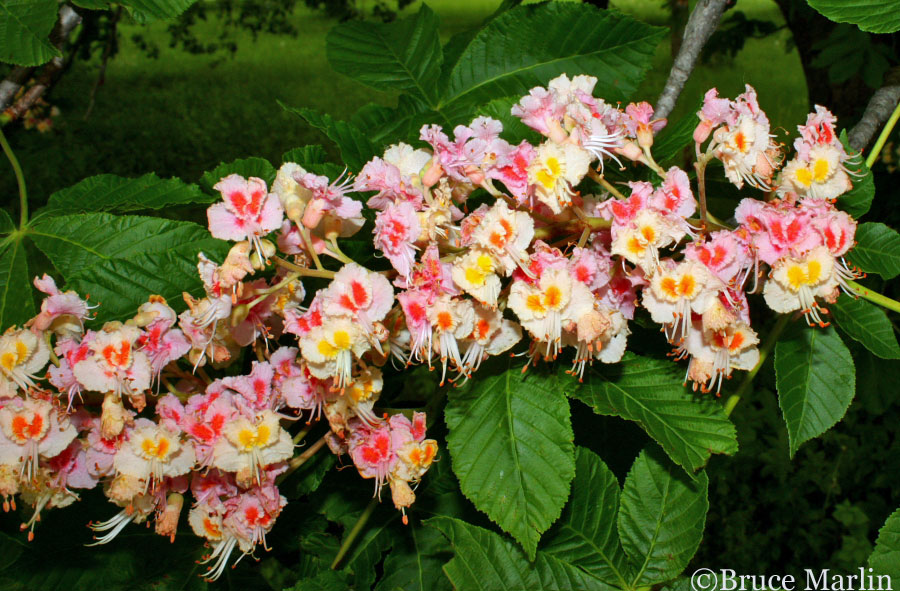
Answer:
(511, 444)
(25, 27)
(107, 192)
(661, 518)
(885, 559)
(403, 55)
(586, 535)
(877, 250)
(651, 392)
(486, 561)
(868, 324)
(121, 260)
(873, 16)
(816, 382)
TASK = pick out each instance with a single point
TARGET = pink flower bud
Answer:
(433, 174)
(701, 132)
(315, 209)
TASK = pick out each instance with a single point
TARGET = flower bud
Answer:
(113, 416)
(701, 132)
(167, 523)
(433, 174)
(644, 136)
(631, 151)
(315, 209)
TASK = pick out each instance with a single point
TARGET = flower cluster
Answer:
(488, 243)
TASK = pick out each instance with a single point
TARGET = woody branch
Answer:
(700, 26)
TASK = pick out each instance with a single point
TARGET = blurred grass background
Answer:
(182, 114)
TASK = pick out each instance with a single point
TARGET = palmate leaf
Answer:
(403, 55)
(511, 444)
(355, 146)
(528, 45)
(107, 192)
(415, 561)
(816, 382)
(585, 535)
(651, 392)
(885, 559)
(877, 250)
(16, 301)
(873, 16)
(121, 260)
(313, 159)
(25, 27)
(867, 324)
(486, 561)
(661, 518)
(158, 9)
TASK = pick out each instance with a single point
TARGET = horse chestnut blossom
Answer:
(490, 250)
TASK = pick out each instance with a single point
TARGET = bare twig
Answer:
(68, 20)
(107, 53)
(703, 21)
(880, 107)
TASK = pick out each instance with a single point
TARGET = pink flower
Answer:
(249, 211)
(63, 313)
(674, 196)
(256, 388)
(396, 230)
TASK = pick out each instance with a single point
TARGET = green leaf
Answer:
(246, 167)
(159, 9)
(486, 561)
(511, 444)
(16, 300)
(92, 4)
(514, 131)
(585, 535)
(355, 146)
(384, 124)
(873, 16)
(107, 192)
(651, 392)
(121, 260)
(885, 559)
(414, 563)
(313, 472)
(877, 250)
(403, 55)
(313, 159)
(857, 200)
(868, 324)
(326, 580)
(527, 46)
(816, 382)
(674, 138)
(661, 518)
(25, 27)
(6, 223)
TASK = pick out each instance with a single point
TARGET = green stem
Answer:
(20, 178)
(596, 176)
(700, 166)
(351, 537)
(874, 297)
(303, 271)
(764, 352)
(888, 127)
